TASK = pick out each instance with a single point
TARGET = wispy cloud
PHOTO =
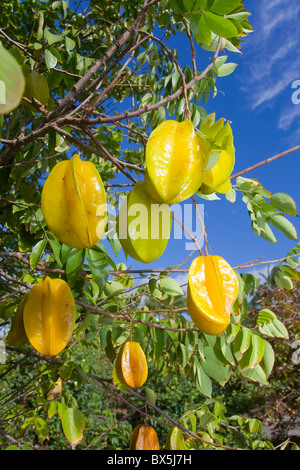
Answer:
(272, 61)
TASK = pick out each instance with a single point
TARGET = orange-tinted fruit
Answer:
(144, 437)
(131, 365)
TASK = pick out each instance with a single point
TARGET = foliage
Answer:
(97, 83)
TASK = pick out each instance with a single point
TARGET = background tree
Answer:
(97, 82)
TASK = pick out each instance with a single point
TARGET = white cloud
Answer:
(288, 117)
(272, 60)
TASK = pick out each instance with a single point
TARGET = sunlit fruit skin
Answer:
(17, 335)
(142, 231)
(73, 202)
(217, 178)
(175, 439)
(174, 161)
(49, 316)
(212, 290)
(144, 437)
(131, 365)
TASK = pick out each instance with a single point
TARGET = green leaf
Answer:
(282, 281)
(267, 234)
(226, 69)
(284, 225)
(285, 203)
(113, 288)
(36, 253)
(220, 25)
(52, 38)
(199, 29)
(12, 81)
(74, 264)
(69, 44)
(257, 350)
(223, 7)
(203, 382)
(50, 60)
(99, 266)
(56, 248)
(170, 287)
(150, 395)
(215, 368)
(73, 423)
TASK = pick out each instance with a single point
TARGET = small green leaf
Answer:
(284, 203)
(220, 25)
(170, 286)
(99, 266)
(73, 423)
(74, 264)
(223, 7)
(36, 253)
(226, 69)
(69, 44)
(203, 382)
(50, 60)
(283, 281)
(150, 395)
(257, 350)
(284, 225)
(199, 29)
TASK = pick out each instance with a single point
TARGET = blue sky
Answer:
(257, 99)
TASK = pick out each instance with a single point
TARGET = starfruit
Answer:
(212, 290)
(49, 316)
(74, 203)
(143, 225)
(217, 178)
(175, 439)
(144, 437)
(217, 142)
(131, 365)
(174, 161)
(17, 336)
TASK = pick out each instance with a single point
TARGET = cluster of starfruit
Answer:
(180, 161)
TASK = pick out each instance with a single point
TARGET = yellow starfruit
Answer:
(131, 365)
(144, 437)
(143, 225)
(174, 161)
(74, 203)
(49, 316)
(212, 290)
(219, 140)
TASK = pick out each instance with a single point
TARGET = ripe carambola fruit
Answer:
(212, 290)
(74, 203)
(175, 439)
(17, 335)
(49, 316)
(174, 161)
(131, 365)
(217, 178)
(144, 437)
(143, 225)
